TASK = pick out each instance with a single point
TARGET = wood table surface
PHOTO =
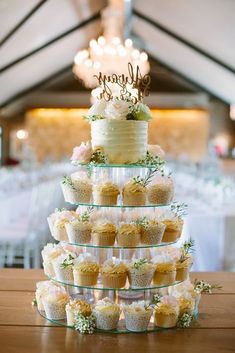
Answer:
(23, 330)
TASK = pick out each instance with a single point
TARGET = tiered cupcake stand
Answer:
(118, 174)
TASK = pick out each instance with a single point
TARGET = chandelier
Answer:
(110, 53)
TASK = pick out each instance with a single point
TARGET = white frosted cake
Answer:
(119, 134)
(123, 141)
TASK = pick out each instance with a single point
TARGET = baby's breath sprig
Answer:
(67, 262)
(85, 324)
(201, 286)
(184, 320)
(140, 262)
(34, 302)
(179, 209)
(148, 177)
(68, 181)
(142, 222)
(85, 216)
(60, 209)
(187, 248)
(94, 117)
(98, 157)
(151, 160)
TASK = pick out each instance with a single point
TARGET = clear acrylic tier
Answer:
(120, 205)
(141, 246)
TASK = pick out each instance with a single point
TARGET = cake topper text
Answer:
(126, 83)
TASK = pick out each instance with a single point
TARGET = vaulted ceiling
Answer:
(191, 44)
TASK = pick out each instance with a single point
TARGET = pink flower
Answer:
(82, 153)
(156, 150)
(169, 300)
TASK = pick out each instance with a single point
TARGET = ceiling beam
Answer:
(182, 40)
(22, 22)
(94, 17)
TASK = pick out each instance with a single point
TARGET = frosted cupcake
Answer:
(54, 303)
(151, 231)
(103, 233)
(137, 316)
(107, 314)
(134, 193)
(76, 189)
(161, 190)
(42, 288)
(63, 267)
(114, 274)
(105, 193)
(85, 270)
(57, 222)
(75, 307)
(173, 229)
(79, 229)
(128, 235)
(49, 253)
(186, 304)
(166, 312)
(140, 273)
(165, 271)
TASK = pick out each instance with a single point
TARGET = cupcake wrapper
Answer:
(134, 200)
(78, 236)
(106, 321)
(137, 322)
(152, 235)
(63, 274)
(128, 241)
(48, 269)
(85, 279)
(165, 321)
(114, 281)
(70, 317)
(99, 199)
(103, 239)
(164, 278)
(182, 274)
(54, 311)
(170, 236)
(160, 194)
(60, 233)
(76, 196)
(140, 280)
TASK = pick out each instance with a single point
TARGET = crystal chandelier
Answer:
(109, 53)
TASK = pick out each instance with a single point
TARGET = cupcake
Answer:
(114, 274)
(57, 221)
(128, 235)
(151, 231)
(173, 230)
(137, 316)
(79, 230)
(105, 193)
(160, 190)
(77, 188)
(183, 265)
(140, 273)
(165, 272)
(75, 307)
(107, 314)
(42, 288)
(134, 193)
(49, 253)
(186, 304)
(166, 312)
(85, 270)
(103, 233)
(54, 303)
(63, 267)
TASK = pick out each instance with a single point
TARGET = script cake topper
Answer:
(126, 83)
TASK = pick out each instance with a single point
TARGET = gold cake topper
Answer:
(135, 80)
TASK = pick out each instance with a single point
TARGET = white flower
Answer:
(98, 108)
(117, 109)
(156, 150)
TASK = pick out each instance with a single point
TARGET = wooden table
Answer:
(23, 330)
